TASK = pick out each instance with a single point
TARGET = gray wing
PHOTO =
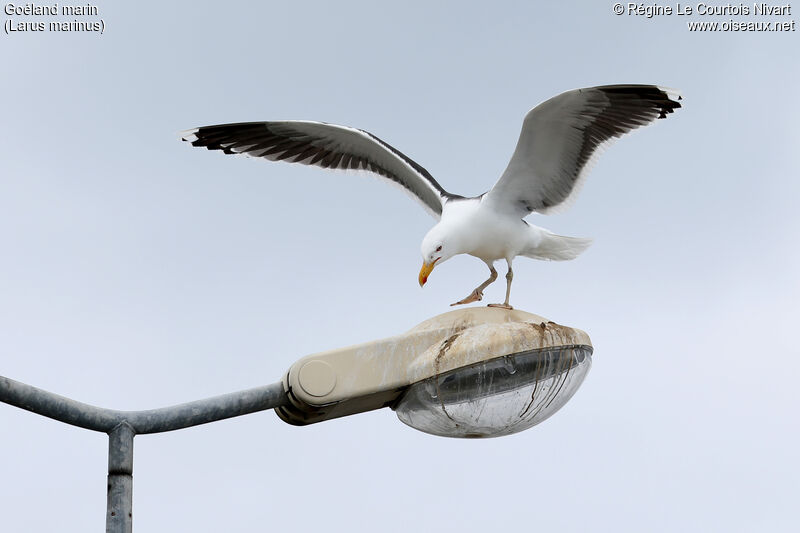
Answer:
(323, 145)
(562, 137)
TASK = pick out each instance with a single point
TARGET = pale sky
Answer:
(139, 272)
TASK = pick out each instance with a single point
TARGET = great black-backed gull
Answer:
(560, 140)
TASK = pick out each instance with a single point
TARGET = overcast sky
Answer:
(138, 272)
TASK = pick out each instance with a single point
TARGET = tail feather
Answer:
(558, 248)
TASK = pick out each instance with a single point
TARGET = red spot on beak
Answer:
(425, 271)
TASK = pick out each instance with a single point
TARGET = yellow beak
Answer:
(424, 272)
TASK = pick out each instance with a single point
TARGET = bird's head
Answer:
(437, 247)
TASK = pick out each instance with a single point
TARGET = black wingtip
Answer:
(665, 101)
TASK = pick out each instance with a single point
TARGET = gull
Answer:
(560, 141)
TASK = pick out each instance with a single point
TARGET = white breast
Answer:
(483, 232)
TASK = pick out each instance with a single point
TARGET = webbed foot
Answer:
(475, 296)
(501, 306)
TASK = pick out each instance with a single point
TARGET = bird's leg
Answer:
(477, 294)
(509, 277)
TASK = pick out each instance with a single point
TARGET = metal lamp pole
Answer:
(123, 426)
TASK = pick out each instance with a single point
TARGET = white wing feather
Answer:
(562, 138)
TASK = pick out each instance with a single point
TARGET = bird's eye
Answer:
(439, 248)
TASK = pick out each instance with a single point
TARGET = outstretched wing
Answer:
(323, 145)
(562, 137)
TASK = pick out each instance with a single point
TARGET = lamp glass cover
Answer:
(496, 397)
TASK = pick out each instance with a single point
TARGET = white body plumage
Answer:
(470, 226)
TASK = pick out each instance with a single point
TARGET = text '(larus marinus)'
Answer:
(560, 140)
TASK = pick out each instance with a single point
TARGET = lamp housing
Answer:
(474, 372)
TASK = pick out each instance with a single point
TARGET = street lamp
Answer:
(476, 372)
